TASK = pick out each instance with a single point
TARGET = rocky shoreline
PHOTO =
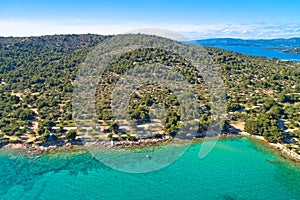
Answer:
(35, 149)
(46, 147)
(285, 152)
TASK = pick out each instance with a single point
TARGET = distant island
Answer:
(36, 84)
(282, 49)
(295, 50)
(291, 42)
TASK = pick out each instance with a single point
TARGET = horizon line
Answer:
(191, 39)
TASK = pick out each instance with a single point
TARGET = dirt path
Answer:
(35, 121)
(61, 110)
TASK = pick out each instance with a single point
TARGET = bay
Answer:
(266, 51)
(235, 169)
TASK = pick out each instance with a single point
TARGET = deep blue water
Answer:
(266, 51)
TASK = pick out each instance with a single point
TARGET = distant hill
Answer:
(294, 50)
(292, 42)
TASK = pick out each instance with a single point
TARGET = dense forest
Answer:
(37, 73)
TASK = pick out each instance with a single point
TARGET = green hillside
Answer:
(37, 73)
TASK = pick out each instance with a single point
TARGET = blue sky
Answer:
(195, 18)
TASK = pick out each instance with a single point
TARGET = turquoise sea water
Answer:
(234, 169)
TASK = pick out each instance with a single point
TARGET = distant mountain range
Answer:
(283, 43)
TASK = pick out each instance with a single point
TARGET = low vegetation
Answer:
(36, 76)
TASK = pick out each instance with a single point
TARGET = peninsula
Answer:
(36, 84)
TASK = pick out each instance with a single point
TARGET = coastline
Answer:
(46, 147)
(285, 152)
(74, 146)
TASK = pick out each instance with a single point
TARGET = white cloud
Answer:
(12, 27)
(253, 30)
(77, 26)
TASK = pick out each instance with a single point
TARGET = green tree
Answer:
(274, 134)
(251, 126)
(114, 126)
(71, 134)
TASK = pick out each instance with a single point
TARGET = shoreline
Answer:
(46, 147)
(285, 152)
(36, 149)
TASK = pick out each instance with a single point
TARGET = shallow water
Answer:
(234, 169)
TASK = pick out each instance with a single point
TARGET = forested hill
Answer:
(60, 43)
(36, 75)
(26, 52)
